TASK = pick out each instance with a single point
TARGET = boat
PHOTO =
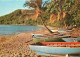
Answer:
(54, 30)
(49, 38)
(60, 31)
(52, 48)
(48, 35)
(59, 55)
(71, 39)
(55, 39)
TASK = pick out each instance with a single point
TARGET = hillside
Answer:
(19, 17)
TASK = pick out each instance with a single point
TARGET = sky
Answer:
(8, 6)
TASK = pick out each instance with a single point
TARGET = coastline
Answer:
(18, 45)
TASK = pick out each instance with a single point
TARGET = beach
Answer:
(18, 45)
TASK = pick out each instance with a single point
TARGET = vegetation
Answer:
(69, 7)
(14, 19)
(54, 13)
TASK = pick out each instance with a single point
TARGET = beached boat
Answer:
(54, 30)
(60, 31)
(51, 48)
(59, 55)
(71, 39)
(49, 38)
(56, 39)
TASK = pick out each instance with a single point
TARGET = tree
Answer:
(40, 7)
(60, 6)
(75, 12)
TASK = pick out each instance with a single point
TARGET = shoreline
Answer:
(16, 45)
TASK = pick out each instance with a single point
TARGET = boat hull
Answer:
(71, 39)
(47, 40)
(55, 50)
(41, 53)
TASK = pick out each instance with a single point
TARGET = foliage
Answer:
(41, 6)
(75, 12)
(14, 19)
(59, 5)
(70, 7)
(33, 3)
(36, 4)
(10, 18)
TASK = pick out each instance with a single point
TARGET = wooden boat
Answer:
(54, 30)
(56, 48)
(49, 38)
(59, 55)
(55, 39)
(62, 31)
(71, 39)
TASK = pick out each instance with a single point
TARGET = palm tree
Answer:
(37, 5)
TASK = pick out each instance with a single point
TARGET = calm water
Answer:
(15, 29)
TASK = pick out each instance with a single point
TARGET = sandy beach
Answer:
(18, 45)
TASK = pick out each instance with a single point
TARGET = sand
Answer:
(18, 45)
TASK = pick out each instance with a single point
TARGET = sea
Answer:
(6, 30)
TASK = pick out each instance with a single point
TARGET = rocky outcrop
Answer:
(56, 17)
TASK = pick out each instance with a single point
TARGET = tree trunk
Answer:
(44, 23)
(46, 26)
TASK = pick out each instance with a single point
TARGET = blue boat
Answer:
(55, 50)
(56, 47)
(71, 39)
(45, 54)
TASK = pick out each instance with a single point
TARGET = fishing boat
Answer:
(52, 48)
(60, 31)
(59, 55)
(71, 39)
(54, 30)
(49, 38)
